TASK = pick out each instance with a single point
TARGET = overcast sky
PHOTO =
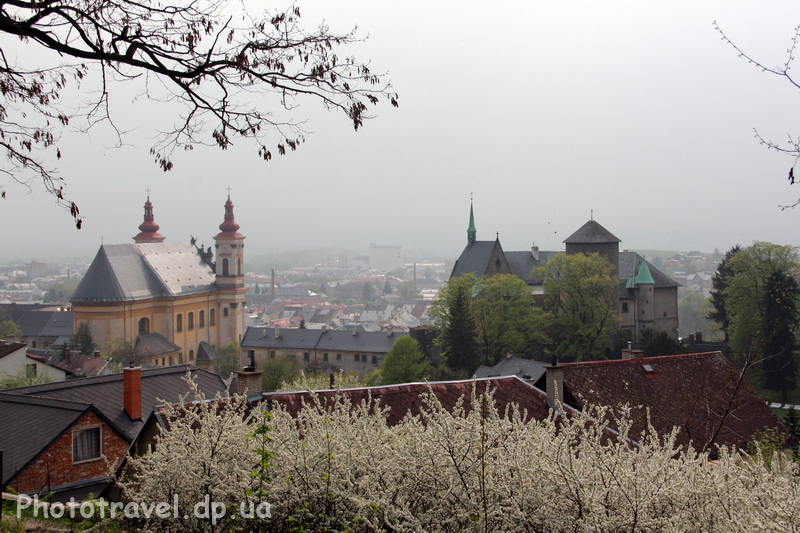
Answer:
(543, 110)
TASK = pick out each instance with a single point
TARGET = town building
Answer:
(646, 297)
(175, 294)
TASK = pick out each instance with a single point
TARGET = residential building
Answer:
(15, 361)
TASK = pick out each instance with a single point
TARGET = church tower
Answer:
(471, 233)
(230, 277)
(148, 230)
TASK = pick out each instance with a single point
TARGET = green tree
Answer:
(407, 291)
(779, 330)
(83, 340)
(507, 319)
(387, 288)
(744, 297)
(405, 363)
(121, 351)
(455, 324)
(10, 330)
(693, 311)
(580, 293)
(23, 378)
(278, 371)
(719, 283)
(229, 359)
(368, 292)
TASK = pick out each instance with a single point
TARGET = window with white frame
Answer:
(87, 444)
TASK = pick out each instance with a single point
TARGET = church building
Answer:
(646, 297)
(166, 298)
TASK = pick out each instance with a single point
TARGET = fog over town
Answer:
(544, 112)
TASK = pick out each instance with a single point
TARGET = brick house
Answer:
(65, 437)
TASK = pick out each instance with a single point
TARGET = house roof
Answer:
(362, 341)
(409, 398)
(696, 392)
(591, 233)
(82, 364)
(206, 352)
(301, 339)
(11, 347)
(153, 345)
(523, 263)
(105, 393)
(45, 323)
(475, 258)
(526, 369)
(124, 272)
(30, 424)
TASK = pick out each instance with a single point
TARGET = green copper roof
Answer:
(644, 277)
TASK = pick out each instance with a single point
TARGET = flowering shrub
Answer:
(338, 466)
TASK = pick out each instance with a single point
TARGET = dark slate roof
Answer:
(474, 259)
(626, 267)
(692, 392)
(124, 272)
(523, 263)
(153, 345)
(30, 424)
(105, 392)
(591, 232)
(370, 342)
(45, 323)
(286, 338)
(526, 369)
(408, 398)
(206, 352)
(10, 347)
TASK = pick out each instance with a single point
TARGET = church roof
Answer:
(153, 344)
(591, 233)
(522, 264)
(474, 259)
(125, 272)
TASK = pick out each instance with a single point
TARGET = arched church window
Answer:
(144, 325)
(179, 322)
(190, 321)
(239, 267)
(202, 319)
(225, 267)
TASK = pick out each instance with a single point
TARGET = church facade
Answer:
(165, 298)
(645, 297)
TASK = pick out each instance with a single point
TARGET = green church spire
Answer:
(471, 233)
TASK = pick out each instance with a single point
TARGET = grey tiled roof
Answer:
(474, 259)
(309, 339)
(106, 395)
(124, 272)
(206, 352)
(523, 263)
(44, 323)
(294, 338)
(591, 232)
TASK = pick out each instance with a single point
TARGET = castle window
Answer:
(306, 356)
(144, 325)
(190, 321)
(202, 319)
(624, 307)
(179, 322)
(356, 357)
(212, 317)
(374, 359)
(338, 357)
(225, 267)
(324, 357)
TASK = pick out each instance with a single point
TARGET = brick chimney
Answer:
(248, 381)
(132, 392)
(630, 353)
(554, 379)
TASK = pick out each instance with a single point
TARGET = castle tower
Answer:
(230, 277)
(148, 230)
(592, 238)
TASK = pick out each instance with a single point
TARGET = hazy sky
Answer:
(543, 110)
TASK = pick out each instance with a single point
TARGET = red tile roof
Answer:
(408, 398)
(702, 394)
